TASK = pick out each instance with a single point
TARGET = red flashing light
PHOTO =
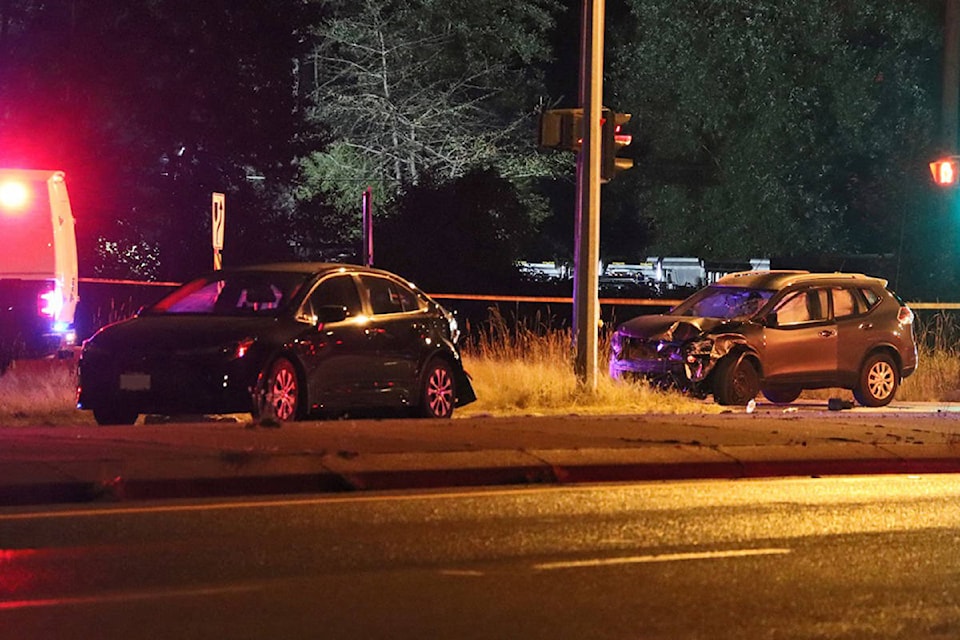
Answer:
(945, 171)
(14, 195)
(49, 303)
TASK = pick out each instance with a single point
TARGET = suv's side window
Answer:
(845, 303)
(871, 297)
(803, 306)
(335, 291)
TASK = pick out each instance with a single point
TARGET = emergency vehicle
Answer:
(38, 264)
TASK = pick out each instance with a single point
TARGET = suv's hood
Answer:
(672, 328)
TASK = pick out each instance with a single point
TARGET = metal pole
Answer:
(587, 249)
(367, 222)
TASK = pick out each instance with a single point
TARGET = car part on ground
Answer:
(778, 332)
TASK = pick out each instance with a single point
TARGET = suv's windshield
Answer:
(232, 294)
(731, 303)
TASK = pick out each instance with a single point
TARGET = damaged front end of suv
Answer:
(706, 337)
(675, 353)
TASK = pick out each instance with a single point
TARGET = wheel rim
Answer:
(881, 380)
(439, 392)
(282, 392)
(743, 382)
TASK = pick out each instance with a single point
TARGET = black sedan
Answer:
(283, 341)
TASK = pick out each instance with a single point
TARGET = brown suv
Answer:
(778, 332)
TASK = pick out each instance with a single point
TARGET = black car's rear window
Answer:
(241, 293)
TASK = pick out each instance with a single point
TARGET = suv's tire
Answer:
(782, 395)
(878, 382)
(736, 380)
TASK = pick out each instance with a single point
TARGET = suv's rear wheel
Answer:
(736, 381)
(781, 395)
(879, 381)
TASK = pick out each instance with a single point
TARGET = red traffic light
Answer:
(945, 171)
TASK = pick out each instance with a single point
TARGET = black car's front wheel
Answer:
(438, 394)
(736, 380)
(280, 392)
(879, 381)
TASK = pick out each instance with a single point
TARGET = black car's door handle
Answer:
(865, 325)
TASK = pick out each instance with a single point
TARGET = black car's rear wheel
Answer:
(438, 395)
(878, 383)
(107, 416)
(781, 395)
(280, 395)
(736, 381)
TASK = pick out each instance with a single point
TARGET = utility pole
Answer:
(586, 301)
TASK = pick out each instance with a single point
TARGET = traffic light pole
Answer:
(586, 300)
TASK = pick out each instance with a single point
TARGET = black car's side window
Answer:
(387, 296)
(336, 291)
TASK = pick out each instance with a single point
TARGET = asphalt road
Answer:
(852, 557)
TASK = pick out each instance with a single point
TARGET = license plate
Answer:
(135, 381)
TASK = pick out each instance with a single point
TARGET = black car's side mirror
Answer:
(330, 313)
(771, 319)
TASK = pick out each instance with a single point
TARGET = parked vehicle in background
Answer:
(286, 341)
(38, 264)
(778, 332)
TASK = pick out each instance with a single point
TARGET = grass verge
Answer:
(516, 370)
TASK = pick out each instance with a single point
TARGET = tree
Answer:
(775, 126)
(402, 89)
(457, 235)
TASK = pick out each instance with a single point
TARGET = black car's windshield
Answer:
(240, 293)
(730, 303)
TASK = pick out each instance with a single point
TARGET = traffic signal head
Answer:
(561, 129)
(946, 171)
(614, 139)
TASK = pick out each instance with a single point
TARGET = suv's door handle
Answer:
(865, 325)
(827, 333)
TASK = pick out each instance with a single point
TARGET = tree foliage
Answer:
(776, 126)
(404, 88)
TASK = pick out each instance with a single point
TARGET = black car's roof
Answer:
(776, 280)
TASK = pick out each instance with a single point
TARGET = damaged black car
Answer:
(775, 332)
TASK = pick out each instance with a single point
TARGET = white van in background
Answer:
(38, 265)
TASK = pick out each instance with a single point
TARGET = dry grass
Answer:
(41, 393)
(517, 370)
(937, 378)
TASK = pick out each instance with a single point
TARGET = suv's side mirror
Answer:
(771, 319)
(330, 313)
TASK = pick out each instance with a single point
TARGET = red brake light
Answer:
(50, 302)
(14, 195)
(905, 316)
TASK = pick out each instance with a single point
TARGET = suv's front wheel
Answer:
(879, 380)
(736, 381)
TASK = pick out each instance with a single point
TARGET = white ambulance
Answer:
(38, 265)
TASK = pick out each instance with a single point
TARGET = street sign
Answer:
(218, 214)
